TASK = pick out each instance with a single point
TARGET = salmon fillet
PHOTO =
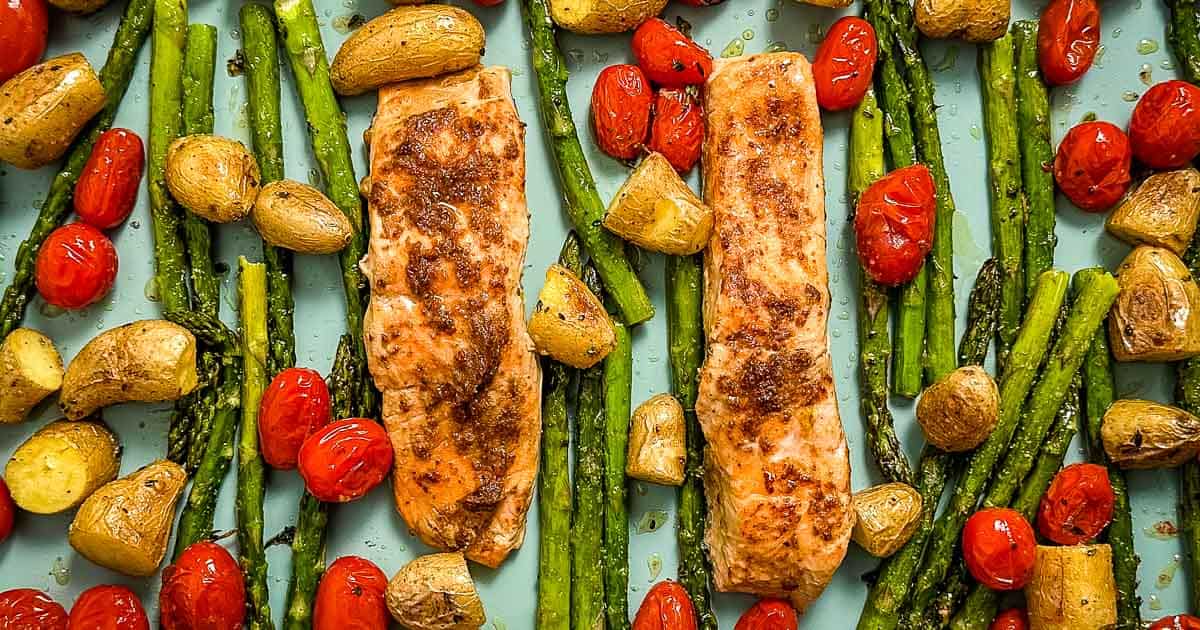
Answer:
(777, 471)
(445, 329)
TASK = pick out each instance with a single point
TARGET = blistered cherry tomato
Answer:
(23, 28)
(621, 101)
(295, 404)
(1165, 127)
(1011, 619)
(202, 590)
(76, 266)
(8, 511)
(1068, 38)
(999, 548)
(350, 596)
(344, 460)
(30, 609)
(1177, 622)
(845, 63)
(1092, 165)
(1077, 506)
(108, 607)
(678, 128)
(893, 225)
(668, 57)
(768, 614)
(108, 186)
(666, 607)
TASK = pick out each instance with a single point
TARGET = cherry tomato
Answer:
(30, 609)
(108, 607)
(1068, 38)
(1092, 165)
(999, 548)
(76, 266)
(108, 186)
(1077, 506)
(845, 63)
(768, 614)
(1177, 622)
(1011, 619)
(1165, 127)
(489, 3)
(202, 590)
(344, 460)
(8, 511)
(893, 224)
(295, 404)
(678, 128)
(23, 28)
(666, 607)
(668, 57)
(621, 101)
(350, 597)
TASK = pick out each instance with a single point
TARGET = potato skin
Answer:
(1157, 313)
(79, 7)
(147, 361)
(972, 20)
(657, 211)
(959, 412)
(61, 465)
(887, 516)
(435, 592)
(44, 107)
(569, 323)
(30, 370)
(1145, 434)
(294, 216)
(1072, 589)
(1162, 212)
(603, 16)
(408, 42)
(124, 526)
(214, 177)
(657, 441)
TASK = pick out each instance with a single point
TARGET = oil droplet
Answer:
(837, 334)
(772, 15)
(151, 289)
(651, 521)
(654, 563)
(1155, 603)
(747, 34)
(1100, 50)
(1129, 96)
(816, 33)
(975, 132)
(599, 57)
(1167, 574)
(733, 49)
(1116, 33)
(1167, 64)
(498, 624)
(777, 47)
(575, 56)
(1147, 47)
(60, 571)
(314, 178)
(1144, 74)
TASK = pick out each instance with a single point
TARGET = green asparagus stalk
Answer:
(587, 518)
(114, 77)
(982, 309)
(1189, 518)
(199, 65)
(1037, 154)
(618, 385)
(1183, 33)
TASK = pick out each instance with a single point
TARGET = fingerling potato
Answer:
(213, 177)
(435, 592)
(30, 370)
(44, 107)
(61, 465)
(294, 216)
(658, 441)
(655, 210)
(603, 16)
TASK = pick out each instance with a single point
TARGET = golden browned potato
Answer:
(61, 465)
(603, 16)
(124, 526)
(971, 20)
(147, 361)
(435, 592)
(81, 7)
(1146, 434)
(408, 42)
(959, 412)
(1157, 314)
(1162, 211)
(298, 217)
(887, 515)
(30, 370)
(44, 107)
(214, 177)
(569, 323)
(657, 441)
(1072, 589)
(656, 210)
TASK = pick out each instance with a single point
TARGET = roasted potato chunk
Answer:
(1157, 314)
(79, 7)
(887, 515)
(658, 441)
(301, 218)
(213, 177)
(61, 465)
(44, 107)
(1072, 589)
(656, 210)
(603, 16)
(1146, 434)
(959, 412)
(1162, 212)
(971, 20)
(30, 370)
(435, 592)
(569, 323)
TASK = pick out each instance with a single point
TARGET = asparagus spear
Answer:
(583, 203)
(587, 518)
(982, 309)
(1037, 154)
(618, 383)
(1182, 33)
(1187, 395)
(114, 77)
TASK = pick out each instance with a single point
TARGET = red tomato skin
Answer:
(30, 609)
(999, 548)
(202, 590)
(666, 607)
(108, 186)
(1011, 619)
(76, 266)
(344, 460)
(108, 607)
(668, 57)
(295, 404)
(1177, 622)
(350, 596)
(1092, 165)
(23, 28)
(1068, 38)
(8, 511)
(1165, 126)
(768, 614)
(621, 102)
(845, 63)
(893, 224)
(489, 3)
(1077, 506)
(678, 128)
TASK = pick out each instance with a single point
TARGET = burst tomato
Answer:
(295, 404)
(668, 57)
(845, 63)
(1165, 127)
(1077, 506)
(999, 548)
(621, 101)
(76, 266)
(1011, 619)
(8, 511)
(350, 596)
(108, 607)
(108, 186)
(893, 224)
(666, 607)
(678, 128)
(23, 28)
(203, 589)
(30, 609)
(1092, 165)
(1068, 38)
(768, 614)
(344, 460)
(1177, 622)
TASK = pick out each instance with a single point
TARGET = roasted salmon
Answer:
(777, 471)
(445, 329)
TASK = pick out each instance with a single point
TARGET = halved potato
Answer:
(1157, 314)
(603, 16)
(1072, 588)
(658, 441)
(1162, 211)
(887, 515)
(44, 107)
(61, 465)
(569, 323)
(435, 592)
(30, 370)
(656, 210)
